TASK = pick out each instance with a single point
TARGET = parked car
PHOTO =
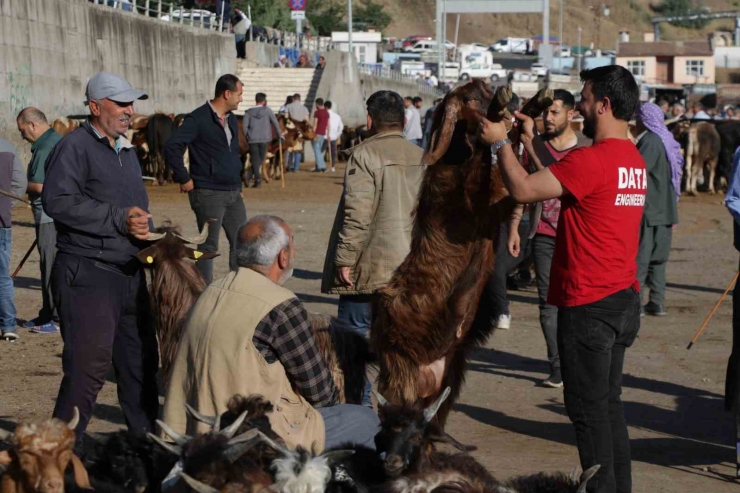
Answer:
(511, 45)
(410, 41)
(426, 46)
(194, 15)
(538, 69)
(524, 76)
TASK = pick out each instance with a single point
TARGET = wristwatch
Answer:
(495, 147)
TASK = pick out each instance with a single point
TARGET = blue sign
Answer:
(297, 4)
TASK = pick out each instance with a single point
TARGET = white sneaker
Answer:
(504, 322)
(333, 169)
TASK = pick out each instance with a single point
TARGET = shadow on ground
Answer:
(697, 431)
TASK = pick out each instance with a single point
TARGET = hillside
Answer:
(417, 17)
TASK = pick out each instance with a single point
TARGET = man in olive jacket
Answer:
(371, 235)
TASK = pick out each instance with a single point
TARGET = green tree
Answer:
(268, 13)
(682, 7)
(327, 18)
(372, 14)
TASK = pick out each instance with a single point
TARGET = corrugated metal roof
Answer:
(666, 48)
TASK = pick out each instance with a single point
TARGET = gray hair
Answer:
(263, 249)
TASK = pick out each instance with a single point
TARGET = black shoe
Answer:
(555, 380)
(257, 185)
(655, 309)
(316, 171)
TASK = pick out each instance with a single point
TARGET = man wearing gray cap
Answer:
(94, 193)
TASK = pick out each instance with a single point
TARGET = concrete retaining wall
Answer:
(49, 49)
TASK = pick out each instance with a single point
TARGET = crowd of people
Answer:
(598, 222)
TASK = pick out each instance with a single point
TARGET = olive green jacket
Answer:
(372, 228)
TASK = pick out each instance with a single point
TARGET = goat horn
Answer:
(230, 430)
(198, 240)
(431, 411)
(587, 474)
(382, 401)
(75, 419)
(175, 449)
(209, 420)
(274, 444)
(5, 435)
(197, 485)
(179, 439)
(156, 236)
(244, 437)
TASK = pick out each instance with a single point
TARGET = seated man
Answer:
(248, 335)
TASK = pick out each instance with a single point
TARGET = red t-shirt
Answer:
(599, 227)
(322, 118)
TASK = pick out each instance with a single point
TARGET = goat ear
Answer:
(147, 255)
(81, 478)
(446, 438)
(587, 474)
(196, 255)
(337, 456)
(197, 485)
(5, 458)
(443, 135)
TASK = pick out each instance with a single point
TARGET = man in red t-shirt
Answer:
(593, 277)
(320, 126)
(542, 151)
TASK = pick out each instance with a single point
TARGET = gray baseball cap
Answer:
(105, 85)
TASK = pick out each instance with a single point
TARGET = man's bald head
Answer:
(264, 244)
(32, 124)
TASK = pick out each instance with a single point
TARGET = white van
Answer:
(511, 45)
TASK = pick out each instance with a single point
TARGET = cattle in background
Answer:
(64, 125)
(159, 128)
(702, 152)
(729, 137)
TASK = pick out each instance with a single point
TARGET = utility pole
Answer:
(560, 38)
(349, 27)
(580, 49)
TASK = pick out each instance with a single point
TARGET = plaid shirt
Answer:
(285, 334)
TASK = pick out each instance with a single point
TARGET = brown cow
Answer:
(702, 151)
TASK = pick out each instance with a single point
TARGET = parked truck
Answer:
(479, 65)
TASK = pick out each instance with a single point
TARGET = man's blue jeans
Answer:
(318, 146)
(296, 160)
(7, 302)
(357, 312)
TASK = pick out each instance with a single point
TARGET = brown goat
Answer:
(64, 125)
(38, 457)
(176, 285)
(427, 313)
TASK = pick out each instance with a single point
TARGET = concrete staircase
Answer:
(277, 84)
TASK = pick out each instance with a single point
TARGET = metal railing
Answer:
(385, 71)
(166, 11)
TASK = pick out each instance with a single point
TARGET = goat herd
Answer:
(242, 454)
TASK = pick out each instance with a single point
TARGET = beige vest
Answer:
(217, 359)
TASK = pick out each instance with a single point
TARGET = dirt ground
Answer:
(682, 439)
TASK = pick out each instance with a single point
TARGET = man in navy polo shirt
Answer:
(94, 193)
(214, 182)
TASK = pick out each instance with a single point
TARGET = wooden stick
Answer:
(711, 314)
(15, 197)
(282, 164)
(25, 257)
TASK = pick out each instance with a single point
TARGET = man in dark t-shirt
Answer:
(593, 277)
(320, 126)
(542, 151)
